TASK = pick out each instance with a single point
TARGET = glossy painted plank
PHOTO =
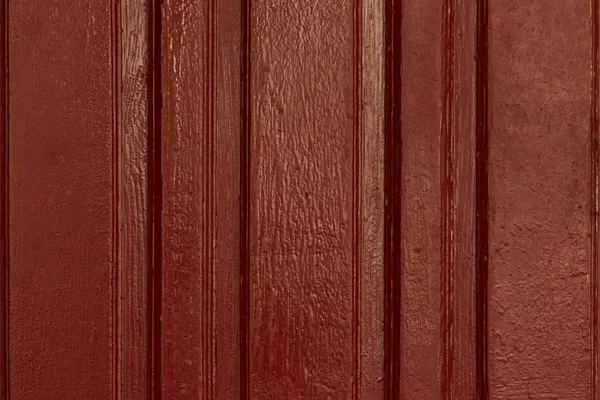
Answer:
(188, 139)
(540, 200)
(314, 221)
(134, 257)
(371, 294)
(63, 200)
(200, 335)
(228, 97)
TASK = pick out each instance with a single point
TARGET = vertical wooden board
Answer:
(62, 200)
(371, 274)
(227, 207)
(540, 208)
(307, 243)
(463, 290)
(133, 184)
(421, 121)
(187, 335)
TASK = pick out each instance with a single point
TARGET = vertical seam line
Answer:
(356, 195)
(116, 189)
(245, 143)
(481, 203)
(4, 367)
(447, 137)
(594, 152)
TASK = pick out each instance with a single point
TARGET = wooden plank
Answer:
(200, 334)
(463, 379)
(62, 200)
(227, 181)
(434, 353)
(540, 200)
(372, 185)
(188, 195)
(4, 250)
(421, 122)
(134, 257)
(315, 224)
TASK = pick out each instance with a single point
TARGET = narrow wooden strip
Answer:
(371, 276)
(188, 173)
(227, 191)
(393, 193)
(463, 210)
(357, 164)
(422, 113)
(594, 171)
(4, 237)
(115, 26)
(482, 201)
(133, 202)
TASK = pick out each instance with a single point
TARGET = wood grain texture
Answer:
(540, 211)
(462, 237)
(371, 294)
(133, 184)
(436, 356)
(421, 123)
(227, 94)
(188, 192)
(315, 224)
(61, 200)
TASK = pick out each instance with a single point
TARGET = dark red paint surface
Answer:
(243, 199)
(62, 236)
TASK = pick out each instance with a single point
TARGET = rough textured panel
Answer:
(227, 181)
(371, 273)
(305, 200)
(133, 119)
(61, 200)
(188, 145)
(463, 234)
(421, 199)
(539, 104)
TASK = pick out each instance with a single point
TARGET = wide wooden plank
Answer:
(63, 232)
(540, 200)
(315, 223)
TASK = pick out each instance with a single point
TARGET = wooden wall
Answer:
(316, 199)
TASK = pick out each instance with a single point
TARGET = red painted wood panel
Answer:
(200, 165)
(540, 200)
(63, 237)
(246, 199)
(188, 192)
(314, 221)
